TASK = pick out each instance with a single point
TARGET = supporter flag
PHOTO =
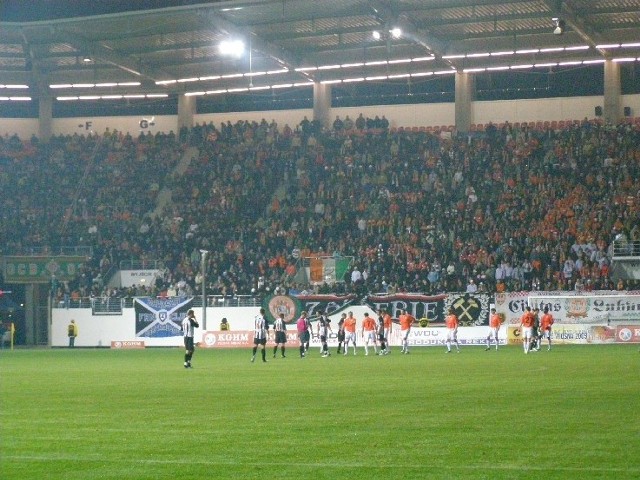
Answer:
(160, 317)
(329, 270)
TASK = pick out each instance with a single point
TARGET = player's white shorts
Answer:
(452, 334)
(526, 332)
(493, 332)
(349, 337)
(405, 334)
(386, 333)
(546, 334)
(370, 336)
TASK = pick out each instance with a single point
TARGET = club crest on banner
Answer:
(285, 304)
(160, 317)
(470, 309)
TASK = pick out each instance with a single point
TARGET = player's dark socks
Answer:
(275, 350)
(282, 350)
(264, 355)
(302, 350)
(255, 349)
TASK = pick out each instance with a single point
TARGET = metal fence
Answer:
(115, 305)
(626, 248)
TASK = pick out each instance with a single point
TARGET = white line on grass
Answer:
(403, 466)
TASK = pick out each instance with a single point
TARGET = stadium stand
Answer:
(512, 206)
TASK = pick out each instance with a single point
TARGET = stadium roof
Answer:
(292, 42)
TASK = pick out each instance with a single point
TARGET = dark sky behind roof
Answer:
(37, 10)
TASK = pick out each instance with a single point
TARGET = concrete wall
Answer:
(431, 114)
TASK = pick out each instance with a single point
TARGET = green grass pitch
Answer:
(84, 414)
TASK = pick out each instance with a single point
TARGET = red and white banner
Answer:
(127, 344)
(418, 337)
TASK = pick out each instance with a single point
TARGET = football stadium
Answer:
(319, 239)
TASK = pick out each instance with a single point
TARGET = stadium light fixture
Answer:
(559, 26)
(232, 48)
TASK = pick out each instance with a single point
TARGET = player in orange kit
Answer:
(526, 328)
(369, 333)
(383, 331)
(494, 327)
(545, 325)
(350, 333)
(451, 321)
(406, 320)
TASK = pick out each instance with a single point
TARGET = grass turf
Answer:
(112, 414)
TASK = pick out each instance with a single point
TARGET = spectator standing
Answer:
(72, 333)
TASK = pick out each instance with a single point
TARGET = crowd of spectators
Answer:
(510, 208)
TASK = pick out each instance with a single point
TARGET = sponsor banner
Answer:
(418, 337)
(160, 317)
(471, 309)
(431, 337)
(239, 339)
(628, 334)
(512, 305)
(127, 344)
(130, 278)
(567, 307)
(571, 334)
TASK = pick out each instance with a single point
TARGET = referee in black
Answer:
(260, 330)
(189, 324)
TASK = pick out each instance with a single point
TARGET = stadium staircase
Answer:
(164, 196)
(625, 259)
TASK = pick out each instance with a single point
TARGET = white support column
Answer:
(612, 92)
(464, 98)
(186, 111)
(321, 103)
(45, 115)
